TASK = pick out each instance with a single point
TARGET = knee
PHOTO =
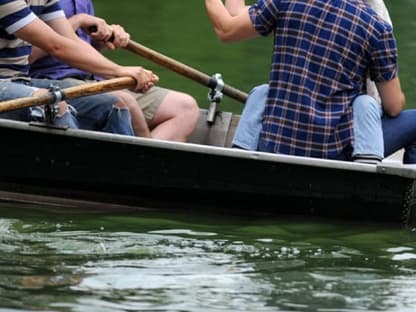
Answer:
(263, 88)
(366, 103)
(124, 100)
(190, 106)
(120, 104)
(365, 106)
(258, 93)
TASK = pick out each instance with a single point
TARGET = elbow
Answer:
(393, 109)
(32, 59)
(224, 39)
(55, 49)
(225, 36)
(222, 35)
(226, 32)
(393, 113)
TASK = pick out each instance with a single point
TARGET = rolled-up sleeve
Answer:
(384, 58)
(15, 15)
(264, 16)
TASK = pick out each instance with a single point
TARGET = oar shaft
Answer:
(69, 93)
(99, 87)
(183, 69)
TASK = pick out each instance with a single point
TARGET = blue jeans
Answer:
(248, 130)
(379, 134)
(11, 90)
(368, 132)
(94, 112)
(374, 133)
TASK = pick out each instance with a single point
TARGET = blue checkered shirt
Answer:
(321, 54)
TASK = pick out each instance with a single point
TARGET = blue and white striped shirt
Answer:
(14, 15)
(322, 52)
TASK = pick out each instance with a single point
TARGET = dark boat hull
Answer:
(76, 169)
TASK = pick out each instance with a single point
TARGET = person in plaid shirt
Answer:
(322, 53)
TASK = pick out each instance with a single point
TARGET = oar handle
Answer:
(69, 93)
(183, 70)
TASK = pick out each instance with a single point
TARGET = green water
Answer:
(194, 262)
(180, 29)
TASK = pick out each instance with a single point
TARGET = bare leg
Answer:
(176, 117)
(137, 118)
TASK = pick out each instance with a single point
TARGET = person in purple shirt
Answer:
(51, 67)
(168, 114)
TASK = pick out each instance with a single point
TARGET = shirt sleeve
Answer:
(51, 10)
(15, 15)
(263, 15)
(384, 58)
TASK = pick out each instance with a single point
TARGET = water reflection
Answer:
(170, 264)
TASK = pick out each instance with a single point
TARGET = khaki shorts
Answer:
(149, 102)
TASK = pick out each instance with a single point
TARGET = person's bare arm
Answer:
(102, 34)
(380, 8)
(229, 28)
(36, 54)
(392, 97)
(86, 21)
(235, 7)
(65, 45)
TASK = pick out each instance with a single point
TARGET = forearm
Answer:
(69, 49)
(218, 15)
(80, 54)
(392, 97)
(77, 20)
(229, 28)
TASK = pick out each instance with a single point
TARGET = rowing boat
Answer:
(75, 170)
(70, 169)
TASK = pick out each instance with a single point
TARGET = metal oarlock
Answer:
(214, 96)
(51, 110)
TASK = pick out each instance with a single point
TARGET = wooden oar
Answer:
(184, 70)
(69, 93)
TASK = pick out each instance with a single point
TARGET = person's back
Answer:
(322, 52)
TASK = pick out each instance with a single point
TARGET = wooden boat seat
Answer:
(219, 133)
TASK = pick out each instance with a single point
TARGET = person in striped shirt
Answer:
(42, 23)
(322, 53)
(160, 113)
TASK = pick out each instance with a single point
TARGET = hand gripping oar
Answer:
(184, 70)
(216, 84)
(56, 95)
